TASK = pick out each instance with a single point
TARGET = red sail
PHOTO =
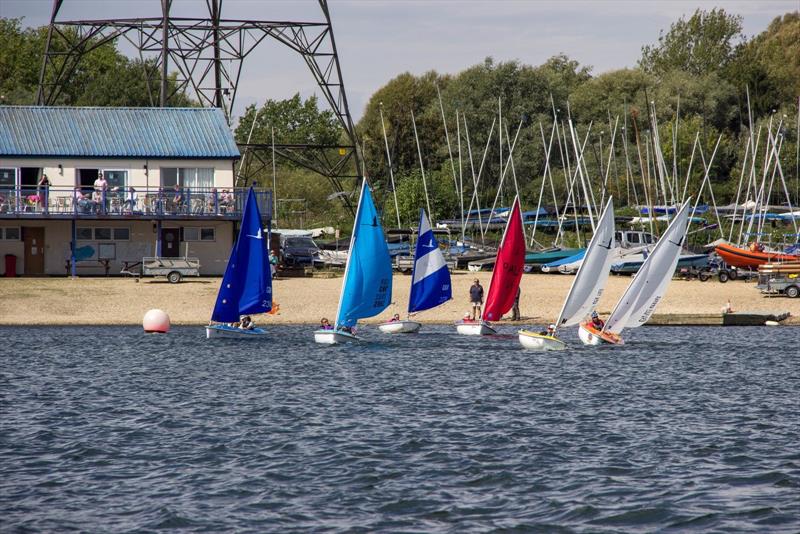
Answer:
(507, 268)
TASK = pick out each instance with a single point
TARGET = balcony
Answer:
(143, 203)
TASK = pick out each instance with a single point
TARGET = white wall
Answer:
(213, 255)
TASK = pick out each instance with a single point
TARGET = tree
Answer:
(295, 121)
(103, 77)
(704, 43)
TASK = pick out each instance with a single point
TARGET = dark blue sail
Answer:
(247, 285)
(430, 280)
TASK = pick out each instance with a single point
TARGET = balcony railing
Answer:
(150, 203)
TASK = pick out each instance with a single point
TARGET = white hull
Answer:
(534, 341)
(220, 331)
(590, 337)
(399, 327)
(475, 329)
(333, 337)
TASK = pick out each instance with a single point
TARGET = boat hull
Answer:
(533, 341)
(399, 327)
(225, 331)
(591, 336)
(334, 337)
(750, 259)
(475, 329)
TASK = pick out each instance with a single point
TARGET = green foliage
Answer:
(103, 77)
(702, 44)
(295, 121)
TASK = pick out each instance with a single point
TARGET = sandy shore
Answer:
(120, 301)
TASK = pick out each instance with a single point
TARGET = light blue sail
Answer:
(247, 285)
(430, 279)
(367, 288)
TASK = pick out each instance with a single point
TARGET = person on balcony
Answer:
(131, 198)
(43, 190)
(177, 198)
(83, 203)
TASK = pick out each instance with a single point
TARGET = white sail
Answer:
(648, 287)
(592, 275)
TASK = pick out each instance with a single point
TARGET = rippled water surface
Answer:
(108, 429)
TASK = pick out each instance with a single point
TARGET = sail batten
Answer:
(247, 284)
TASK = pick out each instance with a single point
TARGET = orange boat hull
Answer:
(750, 259)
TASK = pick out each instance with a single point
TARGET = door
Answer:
(170, 242)
(34, 250)
(86, 178)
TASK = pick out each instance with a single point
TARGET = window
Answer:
(10, 234)
(195, 233)
(122, 234)
(8, 179)
(116, 179)
(102, 234)
(85, 233)
(633, 238)
(193, 178)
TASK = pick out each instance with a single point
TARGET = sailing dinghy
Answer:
(647, 288)
(586, 289)
(247, 284)
(430, 280)
(506, 277)
(367, 285)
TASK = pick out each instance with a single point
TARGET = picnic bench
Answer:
(105, 263)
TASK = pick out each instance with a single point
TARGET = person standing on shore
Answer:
(515, 310)
(476, 299)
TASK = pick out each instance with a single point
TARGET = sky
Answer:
(378, 39)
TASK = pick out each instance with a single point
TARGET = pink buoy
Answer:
(156, 322)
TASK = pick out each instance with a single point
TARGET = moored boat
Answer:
(751, 258)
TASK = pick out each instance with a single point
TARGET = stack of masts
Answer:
(758, 191)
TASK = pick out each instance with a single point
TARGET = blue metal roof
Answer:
(28, 131)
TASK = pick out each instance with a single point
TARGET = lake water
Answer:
(689, 429)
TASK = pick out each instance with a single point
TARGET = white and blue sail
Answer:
(430, 278)
(247, 285)
(367, 287)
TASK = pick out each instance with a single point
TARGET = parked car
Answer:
(298, 250)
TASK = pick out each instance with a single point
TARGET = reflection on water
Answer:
(110, 429)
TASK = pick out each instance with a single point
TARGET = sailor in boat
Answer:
(476, 299)
(597, 323)
(395, 318)
(467, 318)
(550, 332)
(247, 323)
(324, 324)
